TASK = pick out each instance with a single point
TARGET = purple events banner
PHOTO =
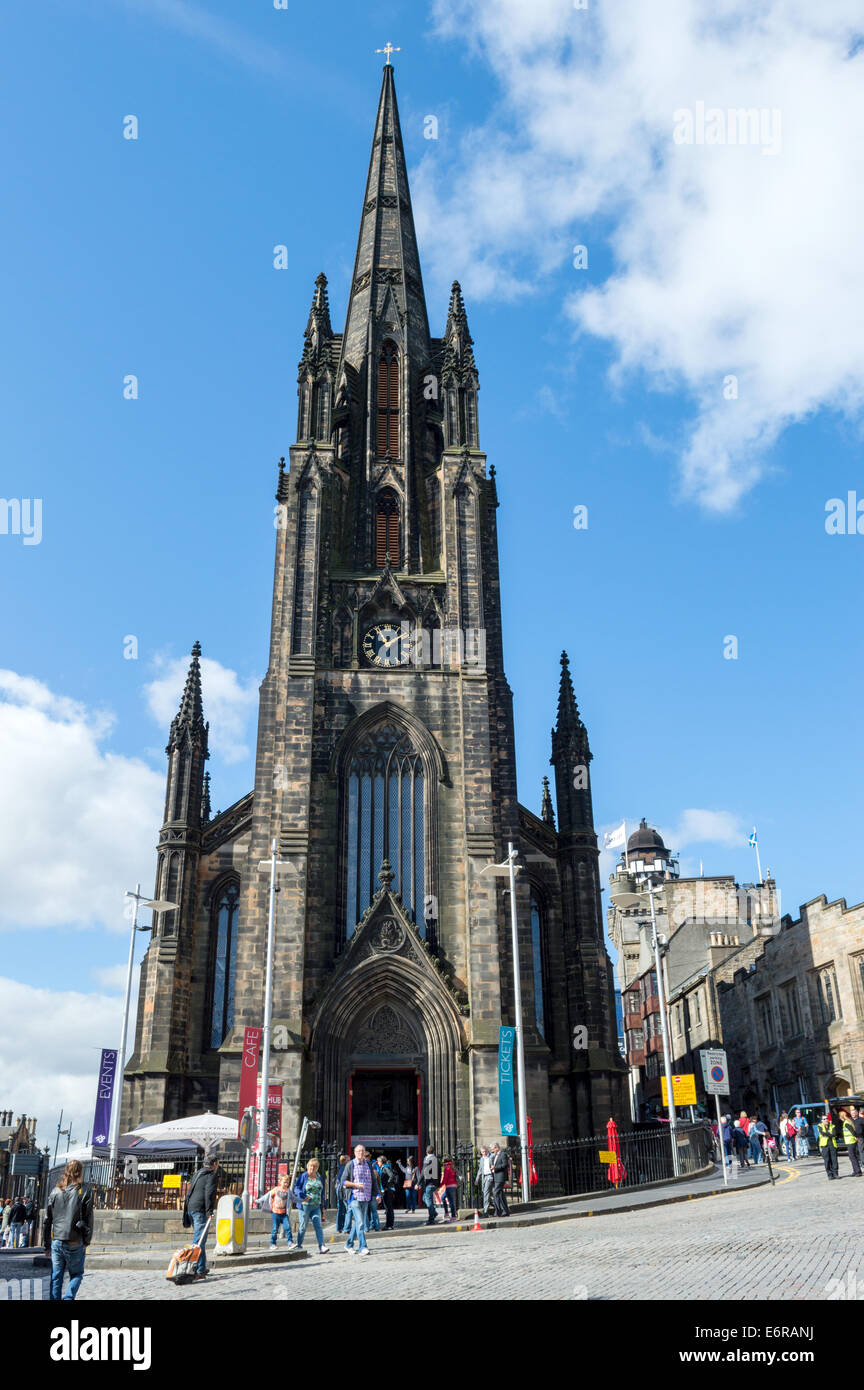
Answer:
(102, 1117)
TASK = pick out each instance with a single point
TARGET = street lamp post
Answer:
(273, 864)
(158, 905)
(511, 868)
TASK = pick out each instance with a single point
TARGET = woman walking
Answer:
(68, 1230)
(280, 1206)
(450, 1183)
(309, 1195)
(410, 1175)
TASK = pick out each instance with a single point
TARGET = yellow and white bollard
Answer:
(231, 1225)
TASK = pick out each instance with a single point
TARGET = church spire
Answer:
(546, 812)
(189, 719)
(568, 711)
(387, 284)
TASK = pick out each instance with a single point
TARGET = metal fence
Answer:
(560, 1169)
(568, 1167)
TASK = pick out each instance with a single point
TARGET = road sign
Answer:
(683, 1089)
(172, 1180)
(715, 1071)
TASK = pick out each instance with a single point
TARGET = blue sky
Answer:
(155, 257)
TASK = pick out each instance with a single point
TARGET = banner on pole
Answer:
(506, 1099)
(104, 1095)
(249, 1071)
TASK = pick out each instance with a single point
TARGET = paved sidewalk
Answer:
(145, 1255)
(745, 1244)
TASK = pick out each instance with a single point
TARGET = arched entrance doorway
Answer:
(387, 1047)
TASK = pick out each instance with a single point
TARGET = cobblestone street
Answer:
(803, 1239)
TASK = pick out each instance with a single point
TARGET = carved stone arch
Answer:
(343, 635)
(424, 741)
(428, 1015)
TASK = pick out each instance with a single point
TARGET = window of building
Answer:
(386, 528)
(697, 1006)
(790, 1010)
(765, 1019)
(388, 402)
(827, 994)
(385, 819)
(537, 963)
(224, 967)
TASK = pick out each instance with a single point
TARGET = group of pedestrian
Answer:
(850, 1127)
(753, 1140)
(493, 1177)
(308, 1198)
(18, 1223)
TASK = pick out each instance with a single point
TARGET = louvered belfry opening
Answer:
(388, 403)
(387, 528)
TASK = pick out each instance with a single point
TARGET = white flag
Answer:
(613, 838)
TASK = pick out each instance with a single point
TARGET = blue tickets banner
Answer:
(506, 1100)
(104, 1094)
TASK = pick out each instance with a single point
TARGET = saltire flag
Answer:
(613, 838)
(752, 842)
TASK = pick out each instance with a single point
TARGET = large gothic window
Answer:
(386, 528)
(384, 802)
(388, 403)
(224, 962)
(537, 964)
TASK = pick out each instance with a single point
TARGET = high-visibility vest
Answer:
(826, 1135)
(849, 1133)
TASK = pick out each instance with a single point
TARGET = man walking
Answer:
(430, 1177)
(341, 1196)
(828, 1143)
(484, 1178)
(18, 1222)
(387, 1183)
(357, 1179)
(500, 1178)
(200, 1205)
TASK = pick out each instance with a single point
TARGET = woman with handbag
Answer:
(410, 1174)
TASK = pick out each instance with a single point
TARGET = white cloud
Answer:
(229, 703)
(77, 823)
(707, 827)
(727, 260)
(50, 1045)
(199, 23)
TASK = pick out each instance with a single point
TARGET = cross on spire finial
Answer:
(388, 49)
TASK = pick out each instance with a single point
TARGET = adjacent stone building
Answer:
(701, 922)
(792, 1010)
(385, 773)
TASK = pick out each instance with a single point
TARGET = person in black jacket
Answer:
(200, 1205)
(430, 1175)
(68, 1230)
(500, 1174)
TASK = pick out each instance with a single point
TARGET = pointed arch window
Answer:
(384, 803)
(538, 964)
(223, 927)
(388, 402)
(386, 528)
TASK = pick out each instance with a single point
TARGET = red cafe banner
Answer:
(249, 1071)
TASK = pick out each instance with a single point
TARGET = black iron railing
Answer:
(559, 1169)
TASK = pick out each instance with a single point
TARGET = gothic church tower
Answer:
(385, 769)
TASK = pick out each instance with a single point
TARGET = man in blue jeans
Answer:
(358, 1181)
(200, 1205)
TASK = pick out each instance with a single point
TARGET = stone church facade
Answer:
(386, 773)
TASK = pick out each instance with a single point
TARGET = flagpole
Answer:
(758, 861)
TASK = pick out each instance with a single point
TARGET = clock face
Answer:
(386, 645)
